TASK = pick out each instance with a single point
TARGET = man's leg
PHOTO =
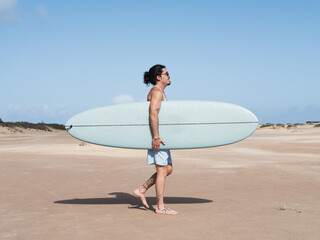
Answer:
(141, 191)
(170, 169)
(162, 172)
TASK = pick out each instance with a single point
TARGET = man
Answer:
(160, 78)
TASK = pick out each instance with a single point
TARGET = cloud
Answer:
(122, 99)
(293, 114)
(7, 12)
(42, 12)
(7, 4)
(34, 113)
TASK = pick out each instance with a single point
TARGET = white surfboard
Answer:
(182, 125)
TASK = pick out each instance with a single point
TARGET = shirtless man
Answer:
(160, 78)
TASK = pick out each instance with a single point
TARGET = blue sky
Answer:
(59, 58)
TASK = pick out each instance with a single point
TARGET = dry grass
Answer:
(38, 126)
(281, 125)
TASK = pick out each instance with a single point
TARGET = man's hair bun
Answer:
(146, 78)
(151, 76)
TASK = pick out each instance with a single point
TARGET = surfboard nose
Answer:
(68, 127)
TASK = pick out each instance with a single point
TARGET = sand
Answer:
(56, 187)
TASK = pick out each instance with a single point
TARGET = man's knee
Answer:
(170, 169)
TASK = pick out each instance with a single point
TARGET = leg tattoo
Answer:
(151, 181)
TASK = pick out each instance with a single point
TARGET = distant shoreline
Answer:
(289, 125)
(49, 127)
(37, 126)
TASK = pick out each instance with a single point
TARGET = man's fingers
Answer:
(156, 146)
(161, 141)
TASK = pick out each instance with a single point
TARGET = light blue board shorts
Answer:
(161, 157)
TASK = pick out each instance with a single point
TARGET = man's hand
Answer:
(156, 143)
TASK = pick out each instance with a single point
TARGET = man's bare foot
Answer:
(138, 193)
(166, 211)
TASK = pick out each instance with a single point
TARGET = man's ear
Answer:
(158, 78)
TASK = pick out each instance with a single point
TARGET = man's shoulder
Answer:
(155, 92)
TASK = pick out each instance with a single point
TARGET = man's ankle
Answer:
(160, 206)
(142, 189)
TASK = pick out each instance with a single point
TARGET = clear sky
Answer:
(59, 58)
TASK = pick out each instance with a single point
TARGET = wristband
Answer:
(156, 137)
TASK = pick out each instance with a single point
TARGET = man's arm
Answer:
(154, 109)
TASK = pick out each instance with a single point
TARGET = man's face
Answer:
(165, 77)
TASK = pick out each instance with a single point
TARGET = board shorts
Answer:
(161, 157)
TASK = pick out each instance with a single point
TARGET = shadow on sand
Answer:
(126, 198)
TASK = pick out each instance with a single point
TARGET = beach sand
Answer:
(56, 187)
